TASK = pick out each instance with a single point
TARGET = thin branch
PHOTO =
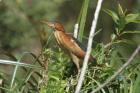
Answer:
(119, 70)
(90, 40)
(8, 62)
(76, 27)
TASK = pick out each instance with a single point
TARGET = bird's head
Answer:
(56, 26)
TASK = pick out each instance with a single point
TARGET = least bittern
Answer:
(73, 46)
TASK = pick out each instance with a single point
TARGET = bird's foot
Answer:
(78, 75)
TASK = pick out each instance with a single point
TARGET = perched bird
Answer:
(73, 46)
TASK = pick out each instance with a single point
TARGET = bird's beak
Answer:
(50, 24)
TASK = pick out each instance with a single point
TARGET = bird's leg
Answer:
(76, 61)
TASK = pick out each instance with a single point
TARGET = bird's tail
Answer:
(92, 59)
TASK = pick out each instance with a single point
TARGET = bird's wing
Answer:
(79, 44)
(74, 46)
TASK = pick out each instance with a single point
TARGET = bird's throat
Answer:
(58, 37)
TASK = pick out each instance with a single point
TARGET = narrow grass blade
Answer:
(83, 16)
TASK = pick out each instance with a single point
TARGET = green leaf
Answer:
(112, 14)
(120, 11)
(132, 18)
(121, 24)
(130, 32)
(122, 21)
(54, 78)
(136, 84)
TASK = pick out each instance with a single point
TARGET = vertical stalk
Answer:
(82, 18)
(90, 40)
